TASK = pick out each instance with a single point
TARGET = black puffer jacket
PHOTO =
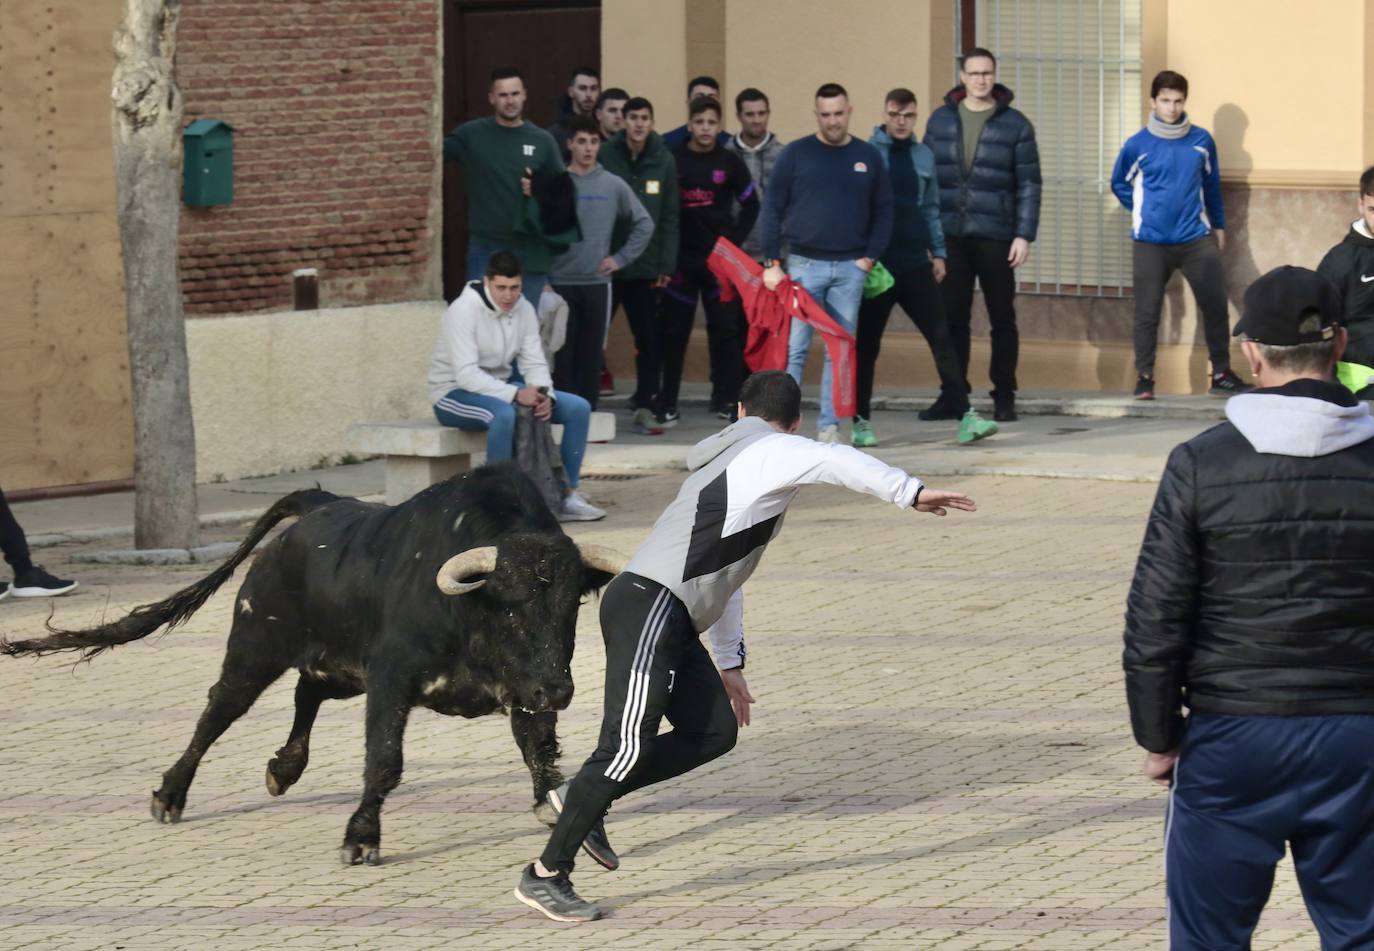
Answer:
(1000, 196)
(1254, 590)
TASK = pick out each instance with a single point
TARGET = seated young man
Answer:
(475, 384)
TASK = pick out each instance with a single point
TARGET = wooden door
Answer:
(544, 40)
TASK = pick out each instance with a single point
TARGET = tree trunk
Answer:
(147, 157)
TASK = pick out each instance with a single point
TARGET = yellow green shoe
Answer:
(974, 427)
(861, 434)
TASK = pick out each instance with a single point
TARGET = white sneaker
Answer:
(578, 509)
(829, 434)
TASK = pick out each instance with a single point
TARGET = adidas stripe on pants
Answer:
(656, 667)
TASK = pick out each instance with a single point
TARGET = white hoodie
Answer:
(478, 345)
(1298, 425)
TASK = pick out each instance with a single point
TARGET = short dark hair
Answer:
(751, 95)
(703, 81)
(1367, 181)
(583, 124)
(831, 90)
(505, 72)
(901, 96)
(1168, 79)
(591, 71)
(503, 264)
(702, 104)
(976, 52)
(635, 103)
(615, 92)
(772, 395)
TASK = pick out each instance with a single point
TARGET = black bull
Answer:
(463, 600)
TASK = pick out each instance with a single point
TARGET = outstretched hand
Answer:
(738, 692)
(938, 502)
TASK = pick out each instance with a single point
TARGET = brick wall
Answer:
(334, 150)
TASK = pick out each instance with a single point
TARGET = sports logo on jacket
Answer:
(718, 176)
(651, 187)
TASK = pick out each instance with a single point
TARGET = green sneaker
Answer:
(862, 435)
(974, 427)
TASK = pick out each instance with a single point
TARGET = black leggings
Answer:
(656, 667)
(12, 541)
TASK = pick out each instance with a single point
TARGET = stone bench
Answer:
(420, 453)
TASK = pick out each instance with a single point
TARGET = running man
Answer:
(685, 579)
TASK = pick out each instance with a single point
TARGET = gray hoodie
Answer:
(1302, 426)
(709, 539)
(602, 199)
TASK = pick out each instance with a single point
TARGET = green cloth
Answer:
(971, 124)
(652, 176)
(1354, 376)
(493, 158)
(878, 281)
(535, 248)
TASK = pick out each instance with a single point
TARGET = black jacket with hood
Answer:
(1350, 266)
(999, 197)
(1254, 589)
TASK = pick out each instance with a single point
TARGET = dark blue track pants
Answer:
(1246, 786)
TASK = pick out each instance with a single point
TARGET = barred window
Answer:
(1074, 66)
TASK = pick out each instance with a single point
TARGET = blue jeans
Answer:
(531, 285)
(476, 413)
(838, 286)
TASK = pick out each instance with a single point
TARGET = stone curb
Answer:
(159, 556)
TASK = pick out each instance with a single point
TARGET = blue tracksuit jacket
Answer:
(1171, 187)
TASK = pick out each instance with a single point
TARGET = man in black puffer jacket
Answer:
(1253, 605)
(988, 169)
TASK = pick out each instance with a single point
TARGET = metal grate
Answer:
(1075, 67)
(613, 476)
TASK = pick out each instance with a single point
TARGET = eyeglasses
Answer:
(902, 116)
(980, 75)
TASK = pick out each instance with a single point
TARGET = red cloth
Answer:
(770, 315)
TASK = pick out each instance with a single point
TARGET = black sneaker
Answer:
(1226, 383)
(1004, 408)
(554, 897)
(596, 844)
(37, 583)
(1145, 388)
(669, 418)
(941, 409)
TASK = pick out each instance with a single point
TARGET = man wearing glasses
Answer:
(988, 167)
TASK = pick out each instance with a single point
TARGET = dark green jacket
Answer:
(653, 179)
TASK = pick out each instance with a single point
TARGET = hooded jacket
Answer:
(1254, 588)
(1350, 266)
(927, 197)
(478, 346)
(709, 539)
(652, 176)
(999, 197)
(759, 159)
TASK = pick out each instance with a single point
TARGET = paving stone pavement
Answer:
(939, 759)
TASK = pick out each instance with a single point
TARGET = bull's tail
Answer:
(147, 618)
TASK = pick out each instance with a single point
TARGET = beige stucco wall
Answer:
(1281, 85)
(276, 392)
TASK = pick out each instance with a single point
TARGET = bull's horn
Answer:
(474, 561)
(603, 559)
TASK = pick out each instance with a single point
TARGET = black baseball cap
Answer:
(1290, 306)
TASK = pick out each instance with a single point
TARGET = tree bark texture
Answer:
(147, 157)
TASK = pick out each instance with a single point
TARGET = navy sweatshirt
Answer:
(831, 203)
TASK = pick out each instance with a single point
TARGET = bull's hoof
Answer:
(546, 813)
(163, 810)
(353, 854)
(277, 785)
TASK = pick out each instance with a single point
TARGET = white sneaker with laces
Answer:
(829, 434)
(578, 509)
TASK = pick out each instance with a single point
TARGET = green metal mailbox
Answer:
(209, 163)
